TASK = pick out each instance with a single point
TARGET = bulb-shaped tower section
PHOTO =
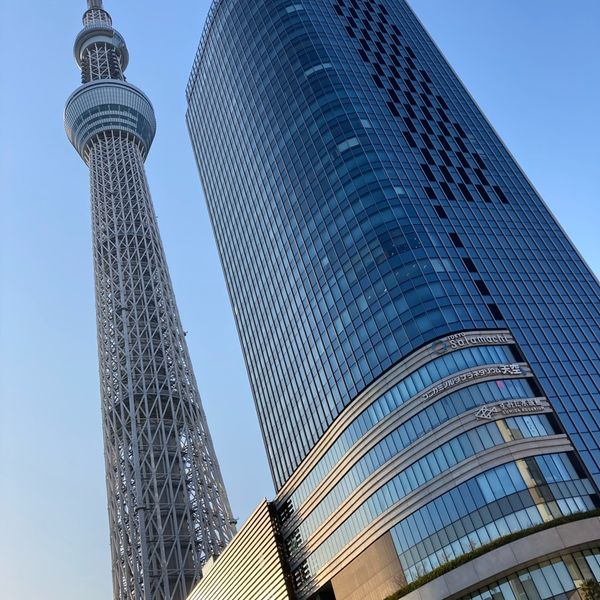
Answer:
(168, 510)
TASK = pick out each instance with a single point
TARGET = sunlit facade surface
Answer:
(557, 578)
(251, 567)
(422, 339)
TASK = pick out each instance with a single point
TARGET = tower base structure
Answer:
(453, 456)
(450, 478)
(560, 561)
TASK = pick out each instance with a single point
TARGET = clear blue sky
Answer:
(531, 64)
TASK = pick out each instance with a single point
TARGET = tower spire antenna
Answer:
(96, 15)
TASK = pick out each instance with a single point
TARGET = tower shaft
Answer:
(168, 510)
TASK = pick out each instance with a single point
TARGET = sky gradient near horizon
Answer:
(532, 67)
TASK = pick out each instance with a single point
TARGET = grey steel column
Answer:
(168, 509)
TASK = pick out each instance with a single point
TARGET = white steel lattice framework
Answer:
(168, 510)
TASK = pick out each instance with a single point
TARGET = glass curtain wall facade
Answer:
(558, 578)
(416, 325)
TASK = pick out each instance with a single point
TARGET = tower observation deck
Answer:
(168, 509)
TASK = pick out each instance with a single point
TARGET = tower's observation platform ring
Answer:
(109, 106)
(100, 33)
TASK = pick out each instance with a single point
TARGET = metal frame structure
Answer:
(168, 509)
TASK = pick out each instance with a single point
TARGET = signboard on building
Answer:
(510, 408)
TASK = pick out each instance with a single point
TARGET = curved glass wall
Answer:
(556, 579)
(502, 500)
(425, 469)
(402, 392)
(460, 402)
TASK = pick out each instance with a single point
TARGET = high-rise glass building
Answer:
(168, 510)
(421, 337)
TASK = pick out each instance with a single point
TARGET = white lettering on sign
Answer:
(511, 407)
(464, 340)
(461, 340)
(514, 369)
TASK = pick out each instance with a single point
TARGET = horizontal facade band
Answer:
(250, 567)
(460, 474)
(404, 459)
(401, 415)
(412, 363)
(517, 555)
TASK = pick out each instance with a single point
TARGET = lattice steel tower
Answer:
(168, 510)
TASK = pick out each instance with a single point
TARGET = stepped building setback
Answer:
(421, 337)
(168, 510)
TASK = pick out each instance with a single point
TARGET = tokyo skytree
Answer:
(168, 509)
